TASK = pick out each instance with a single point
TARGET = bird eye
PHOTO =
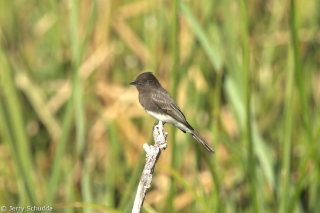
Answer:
(144, 80)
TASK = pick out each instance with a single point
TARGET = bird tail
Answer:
(202, 141)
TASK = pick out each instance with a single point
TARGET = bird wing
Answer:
(165, 102)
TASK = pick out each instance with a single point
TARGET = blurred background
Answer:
(245, 73)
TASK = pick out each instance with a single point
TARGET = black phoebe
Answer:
(157, 102)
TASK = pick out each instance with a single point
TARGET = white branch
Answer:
(153, 153)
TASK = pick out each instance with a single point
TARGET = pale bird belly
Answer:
(169, 119)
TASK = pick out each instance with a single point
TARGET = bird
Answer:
(158, 103)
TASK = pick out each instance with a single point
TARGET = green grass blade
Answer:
(286, 142)
(11, 106)
(59, 152)
(78, 102)
(175, 77)
(301, 86)
(246, 70)
(212, 53)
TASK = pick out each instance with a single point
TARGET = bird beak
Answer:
(132, 83)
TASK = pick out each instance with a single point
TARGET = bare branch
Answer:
(153, 153)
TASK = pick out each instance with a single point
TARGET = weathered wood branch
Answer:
(152, 153)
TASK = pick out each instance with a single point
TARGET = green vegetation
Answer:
(246, 74)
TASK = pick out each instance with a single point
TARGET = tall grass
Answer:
(176, 75)
(245, 74)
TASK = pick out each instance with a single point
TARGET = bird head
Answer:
(144, 80)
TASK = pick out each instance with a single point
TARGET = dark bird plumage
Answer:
(157, 102)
